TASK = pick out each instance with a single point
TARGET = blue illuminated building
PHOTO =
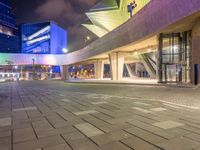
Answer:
(43, 38)
(9, 38)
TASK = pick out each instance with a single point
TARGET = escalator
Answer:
(149, 64)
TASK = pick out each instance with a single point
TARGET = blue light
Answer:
(43, 38)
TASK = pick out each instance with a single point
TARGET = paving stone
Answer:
(173, 106)
(114, 146)
(180, 143)
(94, 120)
(99, 103)
(168, 124)
(142, 103)
(101, 116)
(5, 121)
(158, 109)
(41, 142)
(193, 136)
(110, 137)
(85, 112)
(51, 132)
(138, 144)
(54, 121)
(24, 109)
(66, 100)
(115, 127)
(145, 135)
(142, 110)
(72, 136)
(5, 133)
(89, 130)
(143, 119)
(102, 139)
(83, 144)
(5, 143)
(58, 147)
(42, 124)
(57, 121)
(25, 134)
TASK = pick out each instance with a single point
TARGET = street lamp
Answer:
(131, 7)
(33, 68)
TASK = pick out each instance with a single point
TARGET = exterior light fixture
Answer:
(65, 50)
(88, 38)
(149, 50)
(16, 67)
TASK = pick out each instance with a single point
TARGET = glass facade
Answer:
(9, 39)
(43, 38)
(174, 57)
(7, 17)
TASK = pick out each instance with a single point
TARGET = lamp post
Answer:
(131, 7)
(33, 68)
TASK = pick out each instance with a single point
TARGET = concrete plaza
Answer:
(53, 115)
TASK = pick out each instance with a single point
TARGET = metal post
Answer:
(160, 47)
(33, 68)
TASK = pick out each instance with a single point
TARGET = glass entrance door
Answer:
(173, 73)
(174, 57)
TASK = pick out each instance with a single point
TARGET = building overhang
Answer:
(136, 34)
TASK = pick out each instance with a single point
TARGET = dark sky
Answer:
(69, 14)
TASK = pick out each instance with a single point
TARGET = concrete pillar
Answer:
(99, 69)
(27, 75)
(116, 65)
(130, 72)
(195, 52)
(21, 71)
(64, 72)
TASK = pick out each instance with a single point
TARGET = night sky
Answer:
(69, 14)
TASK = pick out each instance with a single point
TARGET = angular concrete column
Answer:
(64, 72)
(195, 59)
(99, 69)
(130, 72)
(116, 65)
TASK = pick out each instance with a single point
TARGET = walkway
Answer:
(52, 115)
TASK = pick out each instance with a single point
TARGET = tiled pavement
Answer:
(34, 117)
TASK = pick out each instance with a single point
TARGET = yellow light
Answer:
(88, 38)
(149, 50)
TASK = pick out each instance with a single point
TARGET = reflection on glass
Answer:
(176, 57)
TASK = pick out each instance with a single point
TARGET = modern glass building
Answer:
(9, 39)
(43, 38)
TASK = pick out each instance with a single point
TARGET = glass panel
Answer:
(176, 57)
(171, 73)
